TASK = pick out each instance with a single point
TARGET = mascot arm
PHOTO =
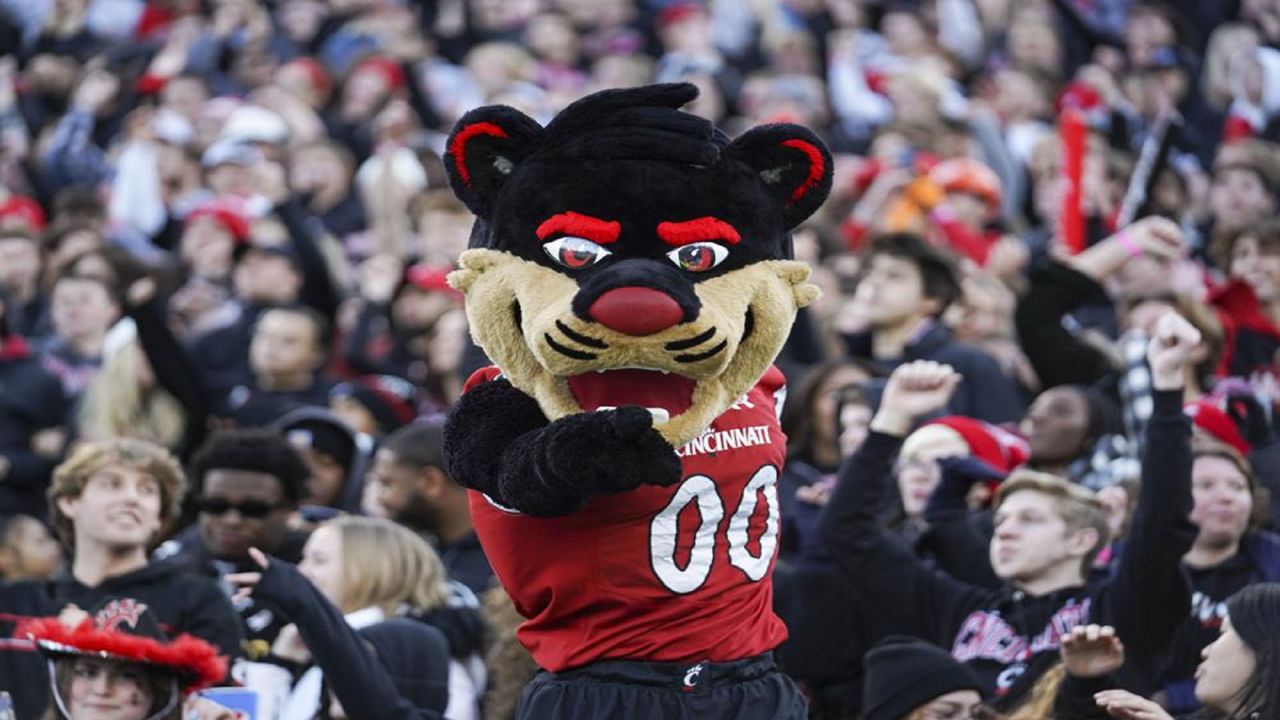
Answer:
(498, 442)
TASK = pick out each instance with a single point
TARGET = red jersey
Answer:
(660, 574)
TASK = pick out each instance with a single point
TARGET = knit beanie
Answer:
(903, 673)
(392, 401)
(994, 445)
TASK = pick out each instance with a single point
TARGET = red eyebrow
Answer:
(584, 226)
(697, 230)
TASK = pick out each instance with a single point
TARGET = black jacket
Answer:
(362, 683)
(985, 392)
(31, 400)
(1058, 356)
(1010, 638)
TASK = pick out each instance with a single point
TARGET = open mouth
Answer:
(653, 389)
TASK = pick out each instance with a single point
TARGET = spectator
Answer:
(32, 409)
(1047, 586)
(286, 354)
(336, 456)
(245, 484)
(27, 550)
(1237, 678)
(1230, 553)
(116, 659)
(111, 502)
(20, 282)
(372, 570)
(394, 668)
(905, 288)
(908, 678)
(83, 308)
(376, 405)
(408, 484)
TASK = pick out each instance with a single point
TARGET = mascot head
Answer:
(629, 254)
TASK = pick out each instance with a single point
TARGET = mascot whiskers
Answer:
(629, 275)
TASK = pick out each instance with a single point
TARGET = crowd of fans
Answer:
(1027, 478)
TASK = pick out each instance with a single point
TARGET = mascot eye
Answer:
(575, 253)
(698, 257)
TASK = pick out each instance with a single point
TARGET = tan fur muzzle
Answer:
(520, 313)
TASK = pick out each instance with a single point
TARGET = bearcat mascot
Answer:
(629, 274)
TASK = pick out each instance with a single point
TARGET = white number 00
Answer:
(665, 529)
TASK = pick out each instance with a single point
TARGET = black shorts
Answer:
(751, 689)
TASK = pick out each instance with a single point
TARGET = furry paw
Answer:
(609, 451)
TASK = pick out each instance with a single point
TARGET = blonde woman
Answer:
(123, 399)
(373, 570)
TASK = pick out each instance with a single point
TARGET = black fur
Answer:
(633, 157)
(497, 441)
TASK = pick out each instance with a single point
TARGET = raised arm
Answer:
(919, 601)
(1062, 286)
(1150, 595)
(355, 675)
(498, 442)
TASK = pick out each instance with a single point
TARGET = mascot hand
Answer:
(609, 451)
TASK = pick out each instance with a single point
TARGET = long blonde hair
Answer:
(388, 566)
(1039, 705)
(116, 405)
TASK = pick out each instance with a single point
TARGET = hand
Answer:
(199, 708)
(71, 616)
(1157, 236)
(380, 275)
(1007, 259)
(289, 645)
(914, 389)
(1169, 351)
(245, 582)
(95, 90)
(818, 493)
(1090, 651)
(1124, 704)
(49, 442)
(141, 292)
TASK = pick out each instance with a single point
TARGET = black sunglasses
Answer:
(249, 508)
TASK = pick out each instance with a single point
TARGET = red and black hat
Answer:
(126, 630)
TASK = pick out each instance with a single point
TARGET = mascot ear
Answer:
(483, 150)
(793, 164)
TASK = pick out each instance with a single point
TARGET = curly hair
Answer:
(261, 451)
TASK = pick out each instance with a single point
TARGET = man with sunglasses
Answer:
(110, 502)
(245, 484)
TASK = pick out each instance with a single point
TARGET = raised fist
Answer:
(1169, 352)
(914, 389)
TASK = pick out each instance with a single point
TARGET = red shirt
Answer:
(680, 573)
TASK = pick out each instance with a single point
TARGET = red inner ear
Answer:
(817, 166)
(458, 146)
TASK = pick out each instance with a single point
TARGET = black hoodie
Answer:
(182, 602)
(1008, 637)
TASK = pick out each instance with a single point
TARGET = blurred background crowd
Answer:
(225, 229)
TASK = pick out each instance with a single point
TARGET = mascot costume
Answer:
(629, 275)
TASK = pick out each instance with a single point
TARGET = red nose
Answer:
(635, 310)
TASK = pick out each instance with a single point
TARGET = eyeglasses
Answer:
(256, 509)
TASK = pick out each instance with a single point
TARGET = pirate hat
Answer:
(126, 630)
